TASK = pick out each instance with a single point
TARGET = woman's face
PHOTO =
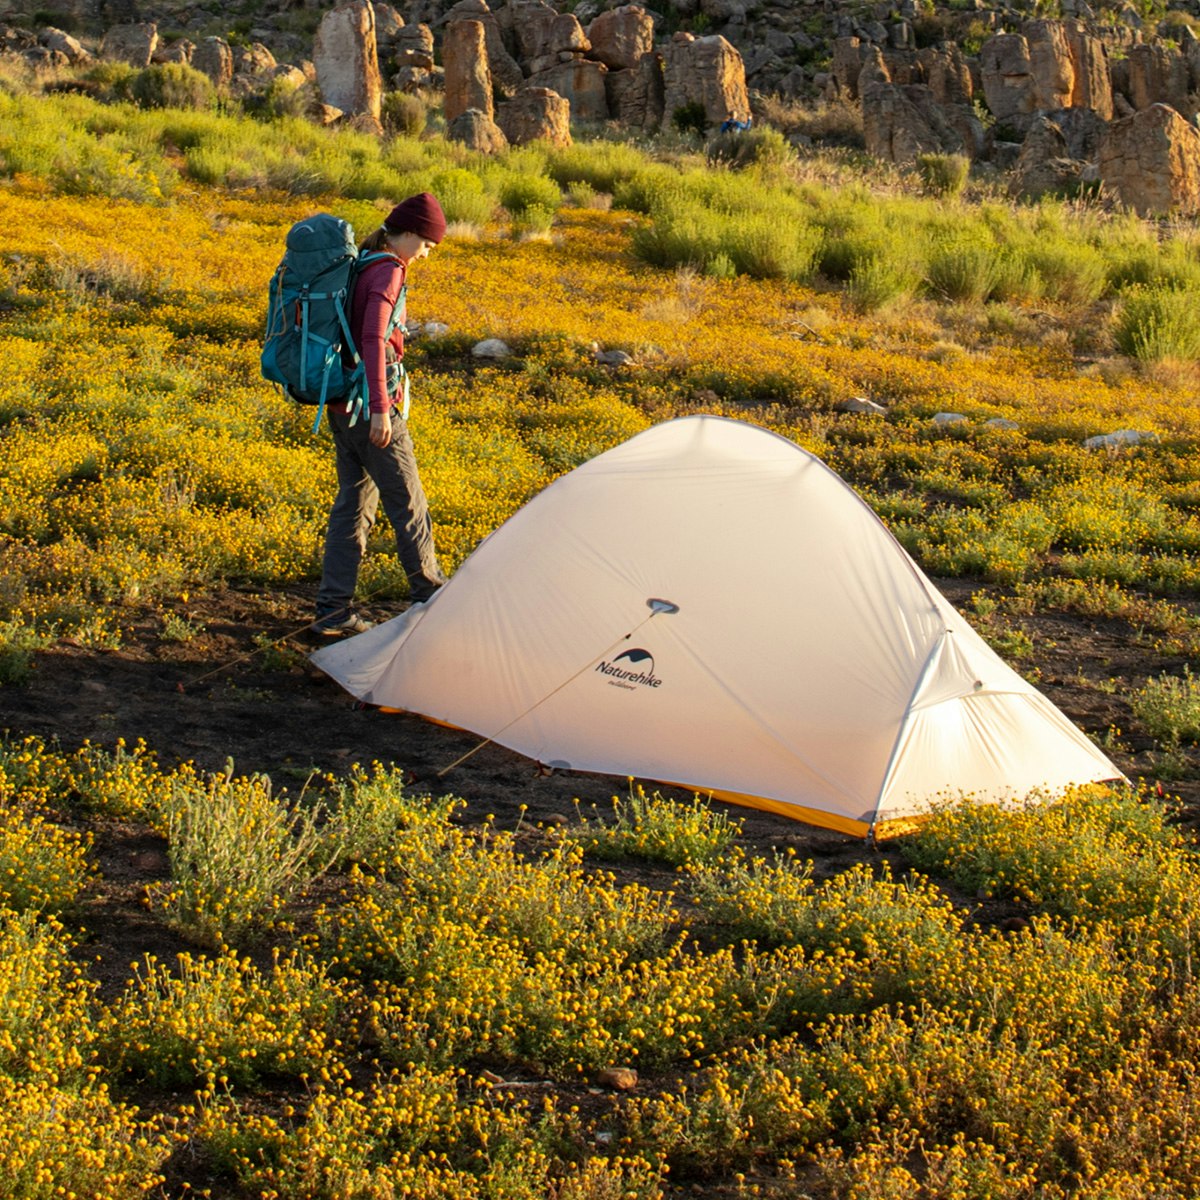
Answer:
(409, 247)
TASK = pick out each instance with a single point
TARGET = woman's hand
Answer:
(381, 430)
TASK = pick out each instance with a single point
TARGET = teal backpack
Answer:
(308, 349)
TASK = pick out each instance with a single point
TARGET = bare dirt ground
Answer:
(241, 689)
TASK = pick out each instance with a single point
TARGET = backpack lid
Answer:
(322, 234)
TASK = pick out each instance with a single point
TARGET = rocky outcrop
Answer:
(534, 114)
(1045, 164)
(846, 67)
(1092, 84)
(388, 26)
(581, 82)
(412, 53)
(180, 51)
(636, 96)
(1051, 73)
(133, 44)
(1158, 75)
(1025, 72)
(903, 121)
(214, 56)
(704, 71)
(346, 59)
(58, 42)
(1151, 162)
(505, 71)
(947, 74)
(468, 81)
(621, 37)
(478, 131)
(254, 59)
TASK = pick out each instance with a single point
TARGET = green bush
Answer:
(878, 281)
(405, 114)
(603, 165)
(660, 829)
(1157, 322)
(962, 269)
(690, 118)
(943, 174)
(172, 85)
(463, 197)
(1169, 707)
(519, 193)
(749, 147)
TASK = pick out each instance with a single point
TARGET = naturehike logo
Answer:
(634, 668)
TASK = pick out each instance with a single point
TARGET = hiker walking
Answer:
(375, 460)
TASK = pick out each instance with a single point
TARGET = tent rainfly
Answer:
(710, 606)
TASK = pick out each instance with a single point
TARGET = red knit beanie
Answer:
(421, 215)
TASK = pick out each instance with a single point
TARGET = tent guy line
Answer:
(656, 607)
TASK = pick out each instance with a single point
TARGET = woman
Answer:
(375, 460)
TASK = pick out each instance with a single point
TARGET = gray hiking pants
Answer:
(367, 475)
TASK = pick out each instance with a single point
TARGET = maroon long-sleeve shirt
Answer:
(376, 292)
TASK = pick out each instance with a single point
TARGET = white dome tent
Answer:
(708, 605)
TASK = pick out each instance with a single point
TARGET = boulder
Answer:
(477, 130)
(388, 24)
(621, 37)
(1151, 162)
(413, 47)
(214, 56)
(493, 348)
(533, 114)
(1052, 75)
(134, 44)
(254, 59)
(468, 80)
(900, 123)
(1045, 164)
(635, 95)
(538, 30)
(1092, 86)
(59, 42)
(1120, 438)
(846, 66)
(947, 74)
(1083, 129)
(874, 70)
(707, 71)
(506, 73)
(1005, 74)
(860, 404)
(346, 59)
(62, 43)
(582, 83)
(177, 52)
(1158, 75)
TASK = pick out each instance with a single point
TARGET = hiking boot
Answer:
(339, 625)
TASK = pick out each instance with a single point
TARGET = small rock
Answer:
(434, 329)
(491, 348)
(614, 358)
(555, 819)
(623, 1079)
(1122, 437)
(860, 404)
(947, 418)
(1001, 423)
